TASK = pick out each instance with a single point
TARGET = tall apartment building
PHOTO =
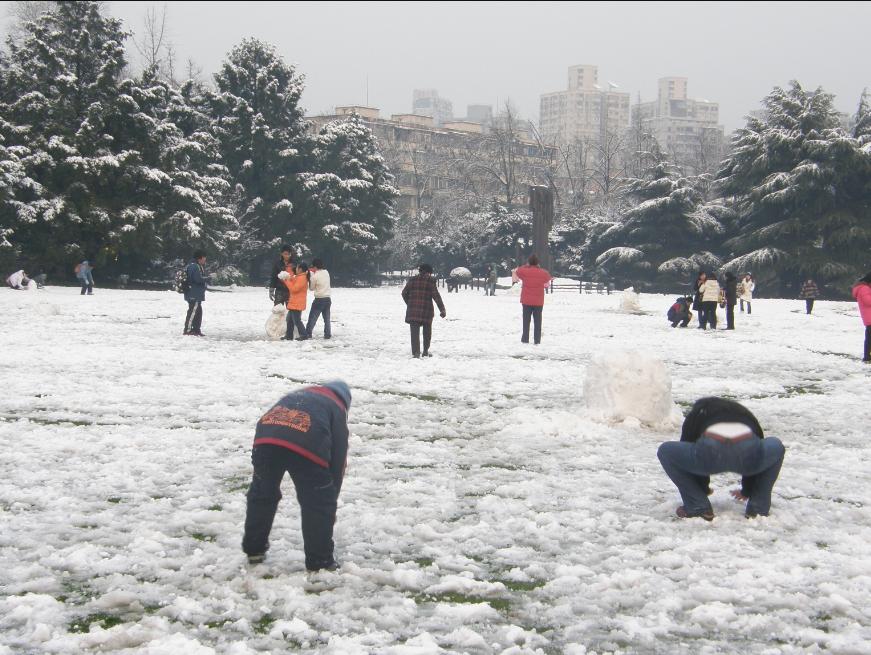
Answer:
(586, 110)
(433, 163)
(427, 102)
(687, 129)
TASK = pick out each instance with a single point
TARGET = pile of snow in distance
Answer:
(484, 509)
(629, 386)
(630, 301)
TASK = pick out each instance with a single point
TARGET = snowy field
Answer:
(484, 511)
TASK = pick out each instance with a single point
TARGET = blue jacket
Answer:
(196, 283)
(312, 422)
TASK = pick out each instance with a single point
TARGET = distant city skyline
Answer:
(378, 53)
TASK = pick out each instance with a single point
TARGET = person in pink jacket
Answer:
(535, 279)
(862, 294)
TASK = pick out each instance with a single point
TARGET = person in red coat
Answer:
(535, 279)
(862, 294)
(419, 294)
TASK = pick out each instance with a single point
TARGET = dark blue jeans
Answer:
(320, 307)
(689, 464)
(533, 312)
(316, 491)
(294, 318)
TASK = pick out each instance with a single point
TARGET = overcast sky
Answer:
(732, 53)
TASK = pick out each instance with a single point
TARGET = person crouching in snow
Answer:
(862, 294)
(297, 285)
(720, 436)
(305, 434)
(18, 280)
(680, 312)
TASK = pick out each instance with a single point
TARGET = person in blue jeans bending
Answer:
(720, 436)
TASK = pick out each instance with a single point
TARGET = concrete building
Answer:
(427, 102)
(447, 163)
(587, 110)
(687, 129)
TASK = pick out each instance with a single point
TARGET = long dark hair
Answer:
(866, 279)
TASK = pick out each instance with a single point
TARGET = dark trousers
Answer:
(294, 318)
(730, 316)
(709, 311)
(749, 308)
(533, 312)
(809, 305)
(87, 287)
(867, 356)
(683, 322)
(316, 491)
(194, 319)
(689, 465)
(320, 307)
(415, 337)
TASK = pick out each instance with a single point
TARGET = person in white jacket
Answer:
(747, 287)
(319, 283)
(18, 280)
(710, 298)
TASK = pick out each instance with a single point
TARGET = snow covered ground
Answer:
(484, 510)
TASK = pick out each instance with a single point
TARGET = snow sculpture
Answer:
(630, 301)
(629, 386)
(276, 326)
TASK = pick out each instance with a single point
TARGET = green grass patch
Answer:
(104, 620)
(423, 562)
(498, 604)
(513, 585)
(114, 500)
(219, 623)
(216, 508)
(262, 625)
(199, 536)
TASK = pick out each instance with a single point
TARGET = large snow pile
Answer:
(462, 273)
(629, 386)
(630, 301)
(276, 324)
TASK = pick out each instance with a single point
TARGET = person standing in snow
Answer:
(277, 291)
(419, 294)
(85, 277)
(710, 292)
(535, 280)
(195, 294)
(492, 279)
(731, 299)
(862, 294)
(18, 280)
(809, 292)
(697, 289)
(305, 434)
(319, 283)
(297, 286)
(720, 436)
(745, 292)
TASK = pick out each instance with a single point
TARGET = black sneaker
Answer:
(427, 354)
(303, 338)
(256, 559)
(332, 566)
(682, 514)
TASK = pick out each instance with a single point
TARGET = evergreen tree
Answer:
(665, 236)
(349, 211)
(862, 128)
(505, 236)
(262, 134)
(802, 189)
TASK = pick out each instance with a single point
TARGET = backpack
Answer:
(77, 269)
(180, 282)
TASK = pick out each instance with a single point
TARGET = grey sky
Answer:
(732, 53)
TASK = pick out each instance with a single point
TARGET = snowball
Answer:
(32, 286)
(284, 275)
(629, 385)
(630, 301)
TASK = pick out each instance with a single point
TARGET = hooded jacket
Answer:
(312, 422)
(862, 294)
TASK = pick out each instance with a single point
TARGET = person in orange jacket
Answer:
(297, 285)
